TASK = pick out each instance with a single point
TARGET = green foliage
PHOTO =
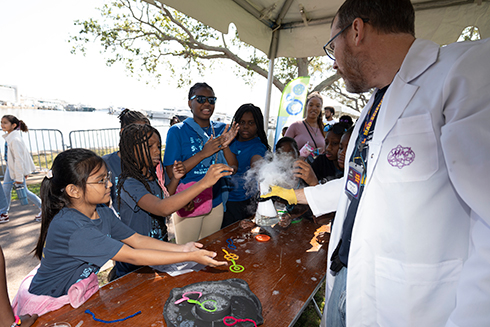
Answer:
(145, 37)
(150, 39)
(470, 33)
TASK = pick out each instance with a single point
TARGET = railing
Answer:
(101, 141)
(45, 144)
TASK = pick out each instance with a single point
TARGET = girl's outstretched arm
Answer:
(165, 207)
(138, 241)
(149, 257)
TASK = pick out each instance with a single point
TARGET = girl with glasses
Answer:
(200, 142)
(79, 235)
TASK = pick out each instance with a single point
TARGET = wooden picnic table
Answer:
(280, 272)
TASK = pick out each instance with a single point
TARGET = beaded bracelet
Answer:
(17, 322)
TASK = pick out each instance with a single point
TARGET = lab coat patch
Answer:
(401, 156)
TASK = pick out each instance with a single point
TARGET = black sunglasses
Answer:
(328, 47)
(202, 99)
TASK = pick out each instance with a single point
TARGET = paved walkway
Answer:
(18, 238)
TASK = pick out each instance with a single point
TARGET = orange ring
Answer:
(262, 237)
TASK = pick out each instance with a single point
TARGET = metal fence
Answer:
(101, 141)
(45, 144)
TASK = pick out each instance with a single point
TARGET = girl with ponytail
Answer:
(79, 234)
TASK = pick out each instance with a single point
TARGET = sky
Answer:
(35, 56)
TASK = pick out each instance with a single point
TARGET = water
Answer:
(67, 121)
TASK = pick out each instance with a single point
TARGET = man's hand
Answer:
(283, 193)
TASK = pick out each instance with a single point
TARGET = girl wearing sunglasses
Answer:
(199, 142)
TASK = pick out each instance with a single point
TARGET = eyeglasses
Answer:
(202, 99)
(328, 47)
(104, 180)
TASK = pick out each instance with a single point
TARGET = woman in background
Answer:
(19, 162)
(310, 129)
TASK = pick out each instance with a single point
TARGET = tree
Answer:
(470, 33)
(144, 37)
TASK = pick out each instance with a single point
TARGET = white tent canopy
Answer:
(303, 26)
(300, 28)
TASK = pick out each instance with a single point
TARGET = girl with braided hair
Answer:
(250, 145)
(143, 202)
(200, 142)
(113, 160)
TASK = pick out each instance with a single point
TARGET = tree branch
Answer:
(326, 83)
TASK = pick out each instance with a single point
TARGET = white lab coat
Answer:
(420, 248)
(19, 159)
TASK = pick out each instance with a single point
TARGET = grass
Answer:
(102, 276)
(309, 317)
(34, 188)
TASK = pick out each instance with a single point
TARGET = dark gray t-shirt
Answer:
(138, 219)
(75, 247)
(113, 163)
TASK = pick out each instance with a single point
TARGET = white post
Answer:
(268, 95)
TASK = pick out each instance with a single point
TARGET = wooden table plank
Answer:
(280, 272)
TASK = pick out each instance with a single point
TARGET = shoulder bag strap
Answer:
(316, 147)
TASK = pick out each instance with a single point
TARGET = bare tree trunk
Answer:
(302, 66)
(326, 83)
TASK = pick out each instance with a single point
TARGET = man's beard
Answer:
(355, 82)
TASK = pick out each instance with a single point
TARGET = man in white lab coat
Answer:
(411, 238)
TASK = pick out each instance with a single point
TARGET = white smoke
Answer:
(274, 169)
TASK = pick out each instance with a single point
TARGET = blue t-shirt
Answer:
(113, 163)
(138, 219)
(75, 247)
(244, 152)
(182, 143)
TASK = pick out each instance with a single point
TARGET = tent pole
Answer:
(270, 78)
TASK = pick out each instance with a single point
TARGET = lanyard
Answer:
(368, 125)
(362, 140)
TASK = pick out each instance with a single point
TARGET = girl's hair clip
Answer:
(49, 175)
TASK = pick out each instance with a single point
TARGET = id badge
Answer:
(354, 179)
